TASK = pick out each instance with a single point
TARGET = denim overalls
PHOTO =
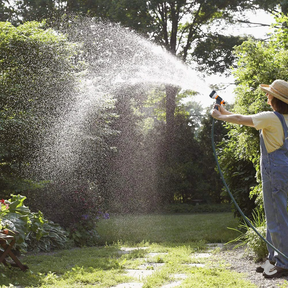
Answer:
(274, 172)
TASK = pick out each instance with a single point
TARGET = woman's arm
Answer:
(224, 115)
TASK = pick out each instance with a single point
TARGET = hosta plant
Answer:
(31, 230)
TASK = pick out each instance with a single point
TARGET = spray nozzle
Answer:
(218, 99)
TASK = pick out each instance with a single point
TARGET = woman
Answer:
(274, 170)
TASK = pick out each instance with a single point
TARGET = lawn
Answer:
(177, 237)
(172, 228)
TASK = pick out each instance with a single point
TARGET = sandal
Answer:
(275, 272)
(267, 265)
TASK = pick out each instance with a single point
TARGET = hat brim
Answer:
(266, 88)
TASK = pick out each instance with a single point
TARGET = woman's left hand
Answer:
(216, 113)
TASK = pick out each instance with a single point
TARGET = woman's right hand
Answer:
(222, 110)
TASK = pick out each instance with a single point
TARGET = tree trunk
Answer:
(171, 93)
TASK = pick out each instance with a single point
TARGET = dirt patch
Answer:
(241, 262)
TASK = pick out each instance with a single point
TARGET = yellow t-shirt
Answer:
(272, 130)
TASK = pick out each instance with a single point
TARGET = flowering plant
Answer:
(31, 230)
(4, 206)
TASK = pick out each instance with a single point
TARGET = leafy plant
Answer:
(45, 235)
(248, 236)
(258, 62)
(36, 65)
(74, 206)
(84, 233)
(32, 231)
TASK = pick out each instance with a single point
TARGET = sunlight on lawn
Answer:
(175, 228)
(175, 237)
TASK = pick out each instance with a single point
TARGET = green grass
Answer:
(177, 237)
(171, 228)
(103, 267)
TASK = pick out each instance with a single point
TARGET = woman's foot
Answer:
(275, 272)
(267, 265)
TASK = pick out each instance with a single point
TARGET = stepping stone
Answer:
(180, 276)
(201, 255)
(196, 265)
(129, 249)
(151, 265)
(175, 283)
(156, 254)
(139, 274)
(213, 246)
(129, 285)
(126, 250)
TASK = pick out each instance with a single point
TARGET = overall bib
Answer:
(274, 172)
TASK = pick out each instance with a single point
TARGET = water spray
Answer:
(220, 101)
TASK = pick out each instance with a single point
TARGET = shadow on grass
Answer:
(105, 266)
(94, 266)
(67, 267)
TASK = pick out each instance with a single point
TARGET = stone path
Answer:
(145, 269)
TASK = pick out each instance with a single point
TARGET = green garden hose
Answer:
(233, 199)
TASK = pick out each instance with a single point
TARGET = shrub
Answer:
(74, 205)
(33, 232)
(201, 208)
(255, 244)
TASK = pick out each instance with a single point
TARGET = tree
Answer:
(210, 176)
(179, 26)
(178, 37)
(214, 53)
(35, 66)
(259, 62)
(6, 11)
(272, 6)
(54, 130)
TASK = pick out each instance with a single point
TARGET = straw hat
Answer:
(278, 89)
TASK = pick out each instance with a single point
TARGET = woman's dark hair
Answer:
(279, 106)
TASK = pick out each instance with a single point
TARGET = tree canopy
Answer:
(258, 62)
(39, 66)
(35, 66)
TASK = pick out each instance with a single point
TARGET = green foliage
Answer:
(76, 206)
(107, 267)
(239, 175)
(45, 235)
(35, 66)
(255, 244)
(197, 208)
(214, 53)
(258, 62)
(211, 181)
(33, 232)
(6, 10)
(84, 233)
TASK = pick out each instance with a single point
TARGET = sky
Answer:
(227, 82)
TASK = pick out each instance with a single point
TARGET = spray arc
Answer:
(220, 101)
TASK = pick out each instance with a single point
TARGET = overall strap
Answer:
(283, 122)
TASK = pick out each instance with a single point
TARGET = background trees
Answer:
(182, 27)
(35, 66)
(258, 62)
(137, 146)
